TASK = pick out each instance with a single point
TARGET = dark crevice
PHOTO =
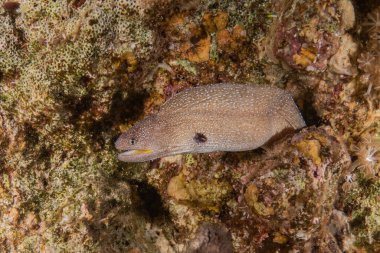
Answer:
(151, 201)
(122, 110)
(309, 113)
(364, 7)
(234, 158)
(31, 136)
(77, 107)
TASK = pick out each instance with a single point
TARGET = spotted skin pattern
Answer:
(217, 117)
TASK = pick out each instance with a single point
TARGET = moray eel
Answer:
(218, 117)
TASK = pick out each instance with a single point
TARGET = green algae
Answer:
(363, 203)
(57, 152)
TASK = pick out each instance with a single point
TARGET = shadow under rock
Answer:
(119, 218)
(150, 200)
(362, 8)
(309, 113)
(122, 109)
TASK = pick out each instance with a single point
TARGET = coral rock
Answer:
(340, 63)
(211, 238)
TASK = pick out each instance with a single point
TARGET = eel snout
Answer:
(131, 152)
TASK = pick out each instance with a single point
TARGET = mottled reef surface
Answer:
(74, 74)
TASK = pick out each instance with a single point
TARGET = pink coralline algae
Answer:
(307, 43)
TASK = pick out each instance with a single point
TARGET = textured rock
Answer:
(212, 238)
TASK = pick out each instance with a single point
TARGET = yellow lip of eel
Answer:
(217, 117)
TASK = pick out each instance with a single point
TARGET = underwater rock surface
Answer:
(75, 74)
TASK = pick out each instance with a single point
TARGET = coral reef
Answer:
(74, 74)
(258, 211)
(57, 94)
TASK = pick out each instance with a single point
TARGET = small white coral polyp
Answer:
(366, 61)
(368, 156)
(373, 21)
(369, 63)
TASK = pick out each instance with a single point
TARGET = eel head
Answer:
(141, 142)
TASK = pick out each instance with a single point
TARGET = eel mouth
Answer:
(132, 154)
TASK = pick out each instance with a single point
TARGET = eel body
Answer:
(218, 117)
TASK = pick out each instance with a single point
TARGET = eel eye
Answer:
(132, 141)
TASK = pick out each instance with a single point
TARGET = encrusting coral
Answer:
(57, 92)
(256, 209)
